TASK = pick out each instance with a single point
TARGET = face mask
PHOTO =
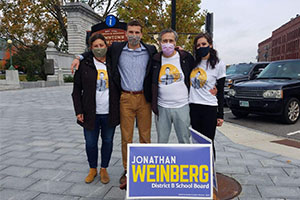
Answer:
(99, 52)
(167, 49)
(202, 51)
(134, 40)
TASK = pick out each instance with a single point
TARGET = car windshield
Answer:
(239, 69)
(285, 70)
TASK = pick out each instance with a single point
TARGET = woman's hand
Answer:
(214, 91)
(80, 117)
(220, 122)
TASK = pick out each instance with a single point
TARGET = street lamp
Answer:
(9, 41)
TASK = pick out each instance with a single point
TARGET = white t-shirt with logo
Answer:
(172, 92)
(202, 79)
(102, 99)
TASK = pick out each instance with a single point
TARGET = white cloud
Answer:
(239, 25)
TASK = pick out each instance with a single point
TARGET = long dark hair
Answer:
(213, 55)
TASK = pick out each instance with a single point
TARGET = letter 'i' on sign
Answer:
(110, 20)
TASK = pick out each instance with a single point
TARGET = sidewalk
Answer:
(42, 154)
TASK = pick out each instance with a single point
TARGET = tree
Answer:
(155, 15)
(31, 22)
(30, 60)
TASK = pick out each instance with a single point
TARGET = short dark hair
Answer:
(168, 30)
(134, 23)
(96, 36)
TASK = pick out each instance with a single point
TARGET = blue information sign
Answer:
(162, 171)
(110, 20)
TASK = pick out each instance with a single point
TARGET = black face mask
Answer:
(202, 52)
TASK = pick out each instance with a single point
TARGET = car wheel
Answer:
(291, 111)
(239, 114)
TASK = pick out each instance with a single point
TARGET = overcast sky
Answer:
(239, 25)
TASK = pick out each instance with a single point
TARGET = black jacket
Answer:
(187, 64)
(84, 93)
(114, 52)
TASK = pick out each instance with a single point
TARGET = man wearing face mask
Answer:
(132, 74)
(170, 101)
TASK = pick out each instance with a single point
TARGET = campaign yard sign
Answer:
(198, 138)
(162, 171)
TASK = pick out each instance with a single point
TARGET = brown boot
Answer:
(123, 177)
(91, 176)
(104, 178)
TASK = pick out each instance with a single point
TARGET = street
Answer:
(42, 153)
(267, 124)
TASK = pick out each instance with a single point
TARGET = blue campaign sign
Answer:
(169, 171)
(199, 138)
(110, 20)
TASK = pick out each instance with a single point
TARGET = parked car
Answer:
(276, 91)
(242, 72)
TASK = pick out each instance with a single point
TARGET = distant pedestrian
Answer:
(93, 97)
(206, 109)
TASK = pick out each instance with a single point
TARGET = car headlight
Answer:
(231, 92)
(275, 94)
(229, 82)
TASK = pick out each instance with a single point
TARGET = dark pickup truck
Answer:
(276, 91)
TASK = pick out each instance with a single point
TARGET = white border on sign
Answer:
(200, 134)
(169, 145)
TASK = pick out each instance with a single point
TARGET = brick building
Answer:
(283, 44)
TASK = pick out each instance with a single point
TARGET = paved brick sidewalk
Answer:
(42, 155)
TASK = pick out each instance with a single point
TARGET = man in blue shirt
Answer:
(132, 74)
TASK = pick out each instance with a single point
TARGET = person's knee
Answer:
(91, 144)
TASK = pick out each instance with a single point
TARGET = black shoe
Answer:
(123, 186)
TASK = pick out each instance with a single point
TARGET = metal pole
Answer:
(173, 23)
(11, 67)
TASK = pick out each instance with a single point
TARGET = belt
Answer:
(133, 92)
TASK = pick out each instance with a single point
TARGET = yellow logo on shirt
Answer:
(169, 74)
(198, 78)
(102, 80)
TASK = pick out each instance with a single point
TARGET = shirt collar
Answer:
(141, 48)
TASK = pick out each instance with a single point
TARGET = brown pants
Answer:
(134, 106)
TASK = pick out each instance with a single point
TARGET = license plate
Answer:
(244, 103)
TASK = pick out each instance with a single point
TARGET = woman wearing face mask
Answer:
(206, 109)
(92, 98)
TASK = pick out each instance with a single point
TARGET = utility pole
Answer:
(209, 24)
(173, 24)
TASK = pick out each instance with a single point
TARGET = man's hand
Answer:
(220, 122)
(179, 48)
(75, 64)
(80, 117)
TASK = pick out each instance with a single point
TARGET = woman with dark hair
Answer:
(94, 106)
(206, 109)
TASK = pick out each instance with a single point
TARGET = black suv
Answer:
(242, 72)
(276, 91)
